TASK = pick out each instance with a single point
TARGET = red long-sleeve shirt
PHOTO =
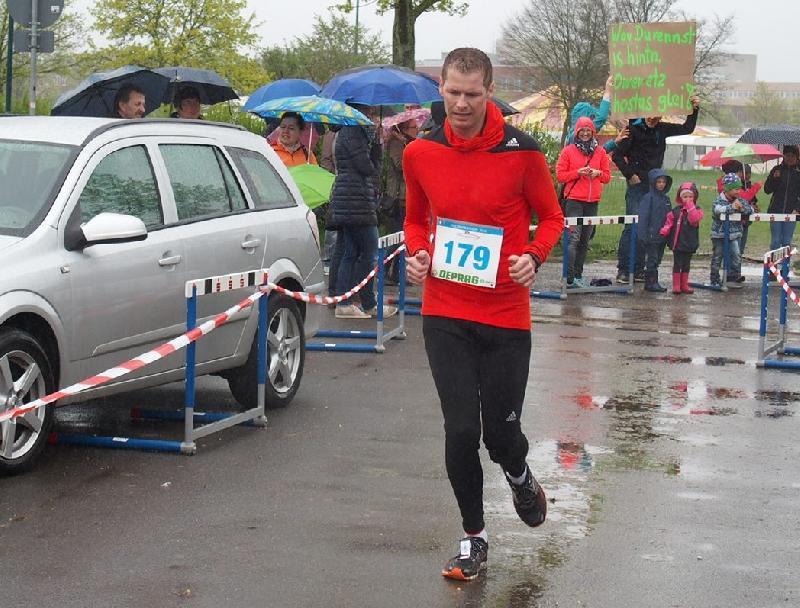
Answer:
(499, 178)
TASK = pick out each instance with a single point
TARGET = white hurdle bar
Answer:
(595, 220)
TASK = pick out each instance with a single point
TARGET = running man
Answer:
(474, 183)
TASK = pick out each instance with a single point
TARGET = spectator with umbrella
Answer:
(354, 213)
(129, 102)
(402, 130)
(289, 147)
(783, 183)
(187, 104)
(127, 92)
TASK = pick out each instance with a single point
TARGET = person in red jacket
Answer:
(473, 184)
(583, 167)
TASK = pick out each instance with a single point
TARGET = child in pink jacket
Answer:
(681, 229)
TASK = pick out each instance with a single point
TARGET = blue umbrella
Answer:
(95, 95)
(211, 87)
(313, 109)
(286, 87)
(379, 85)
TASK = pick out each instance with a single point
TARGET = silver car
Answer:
(101, 224)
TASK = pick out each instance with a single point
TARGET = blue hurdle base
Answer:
(345, 333)
(345, 348)
(708, 286)
(791, 350)
(778, 364)
(549, 295)
(119, 443)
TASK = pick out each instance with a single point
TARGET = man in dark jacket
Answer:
(783, 184)
(635, 156)
(353, 212)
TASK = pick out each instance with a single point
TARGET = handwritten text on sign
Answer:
(652, 66)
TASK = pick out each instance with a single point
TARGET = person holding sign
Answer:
(474, 182)
(635, 156)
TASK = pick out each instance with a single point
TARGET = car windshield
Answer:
(29, 172)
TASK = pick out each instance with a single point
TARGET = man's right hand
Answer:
(634, 180)
(417, 267)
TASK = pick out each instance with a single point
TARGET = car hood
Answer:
(6, 241)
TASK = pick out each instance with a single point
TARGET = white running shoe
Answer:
(351, 311)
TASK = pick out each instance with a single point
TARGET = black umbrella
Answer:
(506, 108)
(777, 135)
(211, 87)
(95, 95)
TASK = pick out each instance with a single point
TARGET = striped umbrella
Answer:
(746, 153)
(313, 109)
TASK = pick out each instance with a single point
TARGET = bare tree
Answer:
(641, 11)
(566, 41)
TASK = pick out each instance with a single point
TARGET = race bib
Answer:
(466, 253)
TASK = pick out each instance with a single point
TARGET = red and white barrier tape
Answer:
(773, 268)
(180, 342)
(312, 299)
(134, 364)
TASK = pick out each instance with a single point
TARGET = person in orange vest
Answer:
(289, 147)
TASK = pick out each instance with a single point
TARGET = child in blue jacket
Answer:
(653, 210)
(728, 202)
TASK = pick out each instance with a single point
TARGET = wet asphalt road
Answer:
(671, 462)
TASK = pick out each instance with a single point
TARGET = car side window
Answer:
(123, 182)
(234, 191)
(265, 185)
(202, 183)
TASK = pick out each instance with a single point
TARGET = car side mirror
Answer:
(104, 228)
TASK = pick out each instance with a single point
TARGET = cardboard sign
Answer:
(652, 65)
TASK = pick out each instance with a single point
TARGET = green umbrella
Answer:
(314, 182)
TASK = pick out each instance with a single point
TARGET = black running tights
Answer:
(480, 372)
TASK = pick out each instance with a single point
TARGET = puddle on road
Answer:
(675, 359)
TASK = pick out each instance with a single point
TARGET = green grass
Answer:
(604, 244)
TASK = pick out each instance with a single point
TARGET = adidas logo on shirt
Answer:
(513, 415)
(512, 143)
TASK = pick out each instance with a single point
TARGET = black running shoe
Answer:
(470, 561)
(529, 500)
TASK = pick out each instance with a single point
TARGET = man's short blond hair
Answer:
(467, 60)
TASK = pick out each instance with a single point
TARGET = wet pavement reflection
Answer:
(605, 403)
(669, 460)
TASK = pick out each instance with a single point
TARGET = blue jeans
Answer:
(633, 195)
(360, 257)
(782, 233)
(716, 259)
(335, 260)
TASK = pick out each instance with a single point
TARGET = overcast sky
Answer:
(765, 28)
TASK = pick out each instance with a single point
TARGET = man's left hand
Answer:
(522, 269)
(695, 101)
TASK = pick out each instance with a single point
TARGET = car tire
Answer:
(21, 354)
(287, 350)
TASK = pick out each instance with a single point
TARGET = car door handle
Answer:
(251, 244)
(171, 260)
